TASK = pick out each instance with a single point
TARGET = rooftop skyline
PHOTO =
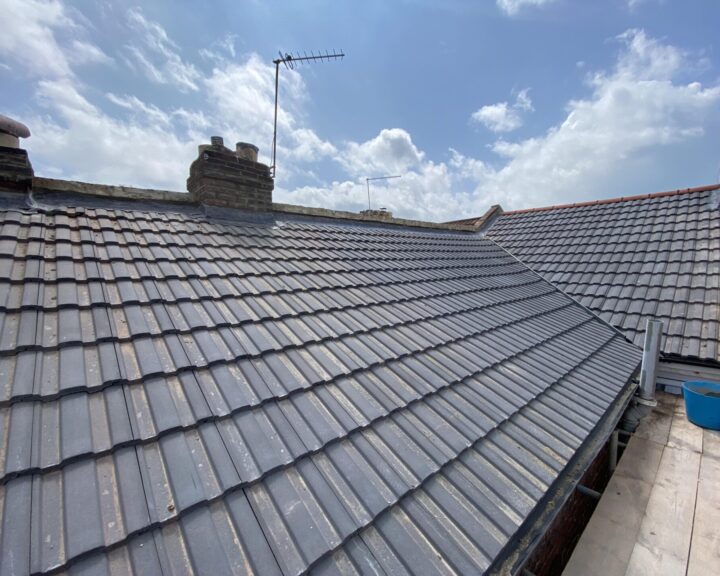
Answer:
(519, 102)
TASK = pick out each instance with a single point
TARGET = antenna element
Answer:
(290, 62)
(367, 181)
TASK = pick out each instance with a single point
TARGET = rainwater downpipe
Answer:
(651, 353)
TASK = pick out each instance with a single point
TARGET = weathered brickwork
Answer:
(219, 177)
(16, 172)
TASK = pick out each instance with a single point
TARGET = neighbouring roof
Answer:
(629, 259)
(479, 222)
(281, 395)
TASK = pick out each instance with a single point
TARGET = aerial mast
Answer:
(368, 180)
(290, 61)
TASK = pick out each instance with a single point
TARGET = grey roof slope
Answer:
(182, 394)
(631, 259)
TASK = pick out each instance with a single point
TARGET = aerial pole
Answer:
(274, 143)
(289, 61)
(367, 182)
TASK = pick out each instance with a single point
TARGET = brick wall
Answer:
(554, 550)
(220, 178)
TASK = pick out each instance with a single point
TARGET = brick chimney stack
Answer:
(16, 172)
(231, 179)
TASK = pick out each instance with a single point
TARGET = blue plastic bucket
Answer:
(702, 403)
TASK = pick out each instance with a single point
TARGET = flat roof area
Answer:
(660, 513)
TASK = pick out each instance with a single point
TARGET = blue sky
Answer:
(519, 102)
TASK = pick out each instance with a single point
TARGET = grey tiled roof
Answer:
(186, 394)
(656, 256)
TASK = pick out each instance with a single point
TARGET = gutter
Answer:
(521, 546)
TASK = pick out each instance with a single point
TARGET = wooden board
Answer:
(705, 544)
(711, 443)
(659, 515)
(656, 425)
(683, 433)
(663, 544)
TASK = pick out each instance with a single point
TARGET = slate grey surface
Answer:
(629, 261)
(186, 395)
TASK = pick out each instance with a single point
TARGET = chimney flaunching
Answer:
(16, 172)
(232, 179)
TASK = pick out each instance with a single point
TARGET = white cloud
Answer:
(639, 106)
(139, 109)
(467, 168)
(498, 117)
(158, 56)
(502, 116)
(308, 146)
(81, 142)
(137, 142)
(242, 95)
(220, 49)
(513, 7)
(81, 52)
(428, 192)
(634, 4)
(244, 92)
(28, 37)
(390, 152)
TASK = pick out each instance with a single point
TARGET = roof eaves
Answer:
(519, 550)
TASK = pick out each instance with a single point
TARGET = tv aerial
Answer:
(291, 61)
(368, 180)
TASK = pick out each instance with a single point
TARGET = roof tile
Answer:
(667, 241)
(184, 394)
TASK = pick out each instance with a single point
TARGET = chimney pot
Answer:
(221, 177)
(247, 151)
(11, 131)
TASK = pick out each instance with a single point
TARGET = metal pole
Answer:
(651, 353)
(613, 457)
(367, 181)
(277, 74)
(289, 60)
(588, 492)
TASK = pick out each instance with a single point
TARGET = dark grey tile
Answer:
(340, 376)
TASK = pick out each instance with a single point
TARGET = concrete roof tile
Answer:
(184, 393)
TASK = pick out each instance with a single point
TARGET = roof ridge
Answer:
(677, 192)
